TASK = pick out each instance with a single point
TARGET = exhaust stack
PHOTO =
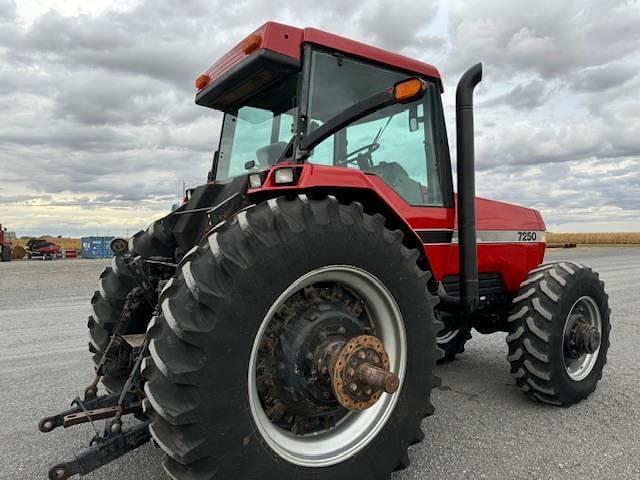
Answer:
(467, 248)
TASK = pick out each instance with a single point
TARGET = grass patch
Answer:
(620, 238)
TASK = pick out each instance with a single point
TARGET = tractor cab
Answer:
(286, 94)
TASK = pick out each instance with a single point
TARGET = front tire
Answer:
(202, 343)
(452, 341)
(555, 353)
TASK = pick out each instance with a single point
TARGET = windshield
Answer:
(396, 143)
(255, 135)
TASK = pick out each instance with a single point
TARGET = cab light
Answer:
(202, 81)
(255, 181)
(409, 90)
(251, 43)
(283, 175)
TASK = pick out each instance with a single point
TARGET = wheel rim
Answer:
(353, 432)
(586, 309)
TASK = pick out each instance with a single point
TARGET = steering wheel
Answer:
(368, 149)
(357, 154)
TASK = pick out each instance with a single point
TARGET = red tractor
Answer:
(5, 245)
(286, 320)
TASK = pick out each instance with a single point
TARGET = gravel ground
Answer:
(483, 427)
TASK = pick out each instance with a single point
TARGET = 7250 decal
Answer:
(527, 236)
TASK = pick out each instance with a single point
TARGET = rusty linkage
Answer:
(113, 442)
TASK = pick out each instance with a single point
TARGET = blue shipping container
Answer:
(96, 247)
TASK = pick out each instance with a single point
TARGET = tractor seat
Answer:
(397, 178)
(268, 155)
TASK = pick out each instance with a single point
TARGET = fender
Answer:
(367, 188)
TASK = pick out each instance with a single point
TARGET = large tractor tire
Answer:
(5, 253)
(240, 324)
(452, 342)
(559, 333)
(115, 284)
(155, 241)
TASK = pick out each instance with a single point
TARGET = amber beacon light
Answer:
(409, 90)
(202, 81)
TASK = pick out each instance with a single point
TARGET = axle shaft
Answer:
(377, 378)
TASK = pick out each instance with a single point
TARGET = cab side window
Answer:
(396, 143)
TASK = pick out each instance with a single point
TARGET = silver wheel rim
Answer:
(356, 429)
(580, 368)
(445, 336)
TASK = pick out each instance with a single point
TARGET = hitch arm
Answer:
(70, 417)
(101, 452)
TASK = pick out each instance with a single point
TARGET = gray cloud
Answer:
(549, 38)
(98, 114)
(528, 96)
(604, 77)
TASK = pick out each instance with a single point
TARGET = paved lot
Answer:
(483, 428)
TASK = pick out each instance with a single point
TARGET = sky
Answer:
(98, 127)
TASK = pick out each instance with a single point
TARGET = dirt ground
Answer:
(483, 426)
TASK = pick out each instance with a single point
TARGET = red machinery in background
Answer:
(5, 245)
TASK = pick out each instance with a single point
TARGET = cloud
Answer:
(99, 128)
(528, 96)
(604, 77)
(550, 39)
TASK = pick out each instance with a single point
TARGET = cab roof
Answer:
(288, 41)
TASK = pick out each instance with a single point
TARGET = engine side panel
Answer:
(510, 241)
(510, 238)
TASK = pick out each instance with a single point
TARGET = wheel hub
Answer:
(360, 372)
(295, 377)
(582, 338)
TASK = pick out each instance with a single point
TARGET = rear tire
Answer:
(115, 283)
(155, 241)
(202, 342)
(6, 253)
(549, 301)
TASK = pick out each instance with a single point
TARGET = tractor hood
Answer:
(500, 222)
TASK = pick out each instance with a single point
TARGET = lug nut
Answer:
(353, 387)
